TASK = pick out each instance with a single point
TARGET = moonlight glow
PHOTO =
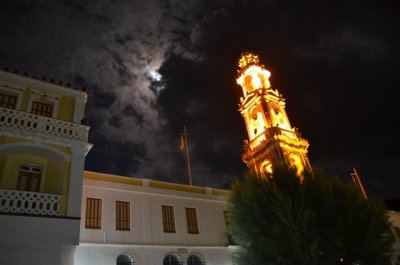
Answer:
(155, 76)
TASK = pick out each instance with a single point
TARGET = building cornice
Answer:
(40, 84)
(154, 184)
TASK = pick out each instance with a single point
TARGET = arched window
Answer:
(124, 259)
(172, 259)
(195, 259)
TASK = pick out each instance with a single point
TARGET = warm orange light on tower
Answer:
(253, 76)
(271, 138)
(248, 59)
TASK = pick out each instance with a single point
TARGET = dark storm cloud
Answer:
(347, 45)
(154, 66)
(116, 48)
(330, 62)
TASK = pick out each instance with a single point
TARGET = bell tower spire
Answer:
(271, 138)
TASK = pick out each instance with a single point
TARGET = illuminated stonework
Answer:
(252, 76)
(295, 160)
(266, 168)
(248, 59)
(271, 138)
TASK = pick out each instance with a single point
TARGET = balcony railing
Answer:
(26, 202)
(271, 134)
(28, 122)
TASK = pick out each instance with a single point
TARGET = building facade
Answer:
(54, 212)
(42, 153)
(150, 222)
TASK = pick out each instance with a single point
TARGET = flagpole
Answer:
(357, 181)
(187, 155)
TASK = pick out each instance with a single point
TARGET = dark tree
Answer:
(284, 221)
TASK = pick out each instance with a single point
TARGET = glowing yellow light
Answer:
(295, 161)
(247, 59)
(266, 168)
(256, 123)
(254, 76)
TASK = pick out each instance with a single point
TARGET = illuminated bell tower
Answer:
(271, 138)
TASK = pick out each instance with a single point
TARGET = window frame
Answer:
(122, 216)
(173, 259)
(168, 218)
(44, 98)
(8, 104)
(14, 92)
(42, 108)
(124, 259)
(195, 259)
(32, 173)
(93, 213)
(192, 223)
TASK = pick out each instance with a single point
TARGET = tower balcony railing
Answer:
(271, 134)
(27, 202)
(28, 122)
(290, 135)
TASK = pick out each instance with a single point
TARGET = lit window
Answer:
(43, 109)
(123, 215)
(168, 219)
(8, 101)
(124, 259)
(93, 213)
(172, 259)
(29, 177)
(191, 221)
(195, 259)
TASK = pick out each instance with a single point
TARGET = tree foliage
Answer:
(284, 221)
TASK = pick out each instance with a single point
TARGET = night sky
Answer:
(152, 67)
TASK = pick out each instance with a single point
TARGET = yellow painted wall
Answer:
(5, 139)
(11, 169)
(54, 178)
(25, 100)
(52, 175)
(66, 108)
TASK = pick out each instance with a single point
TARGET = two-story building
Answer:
(43, 144)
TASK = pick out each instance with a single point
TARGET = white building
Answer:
(147, 222)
